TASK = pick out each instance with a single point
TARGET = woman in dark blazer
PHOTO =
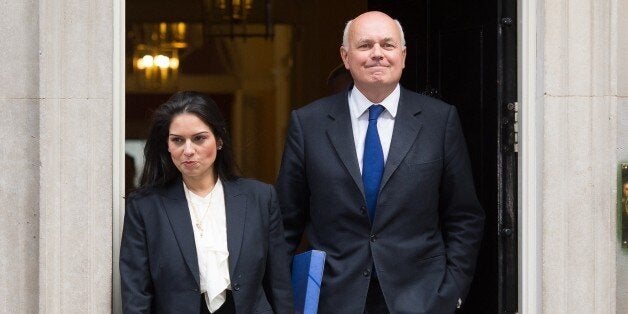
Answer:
(196, 238)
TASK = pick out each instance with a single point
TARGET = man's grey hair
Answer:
(345, 34)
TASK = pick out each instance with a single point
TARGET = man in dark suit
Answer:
(379, 178)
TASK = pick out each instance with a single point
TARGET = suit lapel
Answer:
(340, 134)
(235, 211)
(176, 208)
(405, 132)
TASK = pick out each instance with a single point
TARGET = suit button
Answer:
(362, 210)
(366, 273)
(373, 238)
(236, 287)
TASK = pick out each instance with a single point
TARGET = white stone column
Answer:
(19, 157)
(578, 157)
(622, 138)
(75, 130)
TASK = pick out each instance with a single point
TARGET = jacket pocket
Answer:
(425, 163)
(432, 258)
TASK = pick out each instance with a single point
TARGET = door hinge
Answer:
(513, 133)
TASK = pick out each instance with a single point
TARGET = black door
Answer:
(461, 52)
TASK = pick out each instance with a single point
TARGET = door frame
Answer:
(530, 139)
(507, 158)
(530, 59)
(118, 135)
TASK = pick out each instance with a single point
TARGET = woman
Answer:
(198, 239)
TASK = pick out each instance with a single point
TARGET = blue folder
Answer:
(307, 274)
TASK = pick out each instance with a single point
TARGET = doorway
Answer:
(464, 52)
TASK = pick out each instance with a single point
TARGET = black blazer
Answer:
(158, 261)
(428, 222)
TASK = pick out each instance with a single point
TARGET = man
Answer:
(379, 178)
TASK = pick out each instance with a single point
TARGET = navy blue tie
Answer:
(372, 161)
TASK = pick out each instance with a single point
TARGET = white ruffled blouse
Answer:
(211, 244)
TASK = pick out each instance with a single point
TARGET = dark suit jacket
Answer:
(428, 222)
(158, 261)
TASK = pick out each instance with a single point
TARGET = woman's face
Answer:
(192, 146)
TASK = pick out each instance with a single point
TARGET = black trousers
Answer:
(227, 308)
(375, 302)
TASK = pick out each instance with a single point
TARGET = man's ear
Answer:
(403, 53)
(344, 55)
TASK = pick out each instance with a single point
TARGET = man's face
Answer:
(625, 189)
(374, 53)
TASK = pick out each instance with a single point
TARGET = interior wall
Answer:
(264, 69)
(318, 36)
(259, 74)
(264, 79)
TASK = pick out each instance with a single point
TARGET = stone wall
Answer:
(622, 138)
(56, 185)
(579, 160)
(75, 194)
(19, 148)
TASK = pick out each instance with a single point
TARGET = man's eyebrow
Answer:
(369, 41)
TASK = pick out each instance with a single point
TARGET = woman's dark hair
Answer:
(159, 169)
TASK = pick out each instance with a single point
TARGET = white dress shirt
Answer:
(211, 244)
(359, 109)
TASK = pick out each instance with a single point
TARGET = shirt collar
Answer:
(359, 104)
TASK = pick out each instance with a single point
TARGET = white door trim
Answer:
(118, 143)
(531, 138)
